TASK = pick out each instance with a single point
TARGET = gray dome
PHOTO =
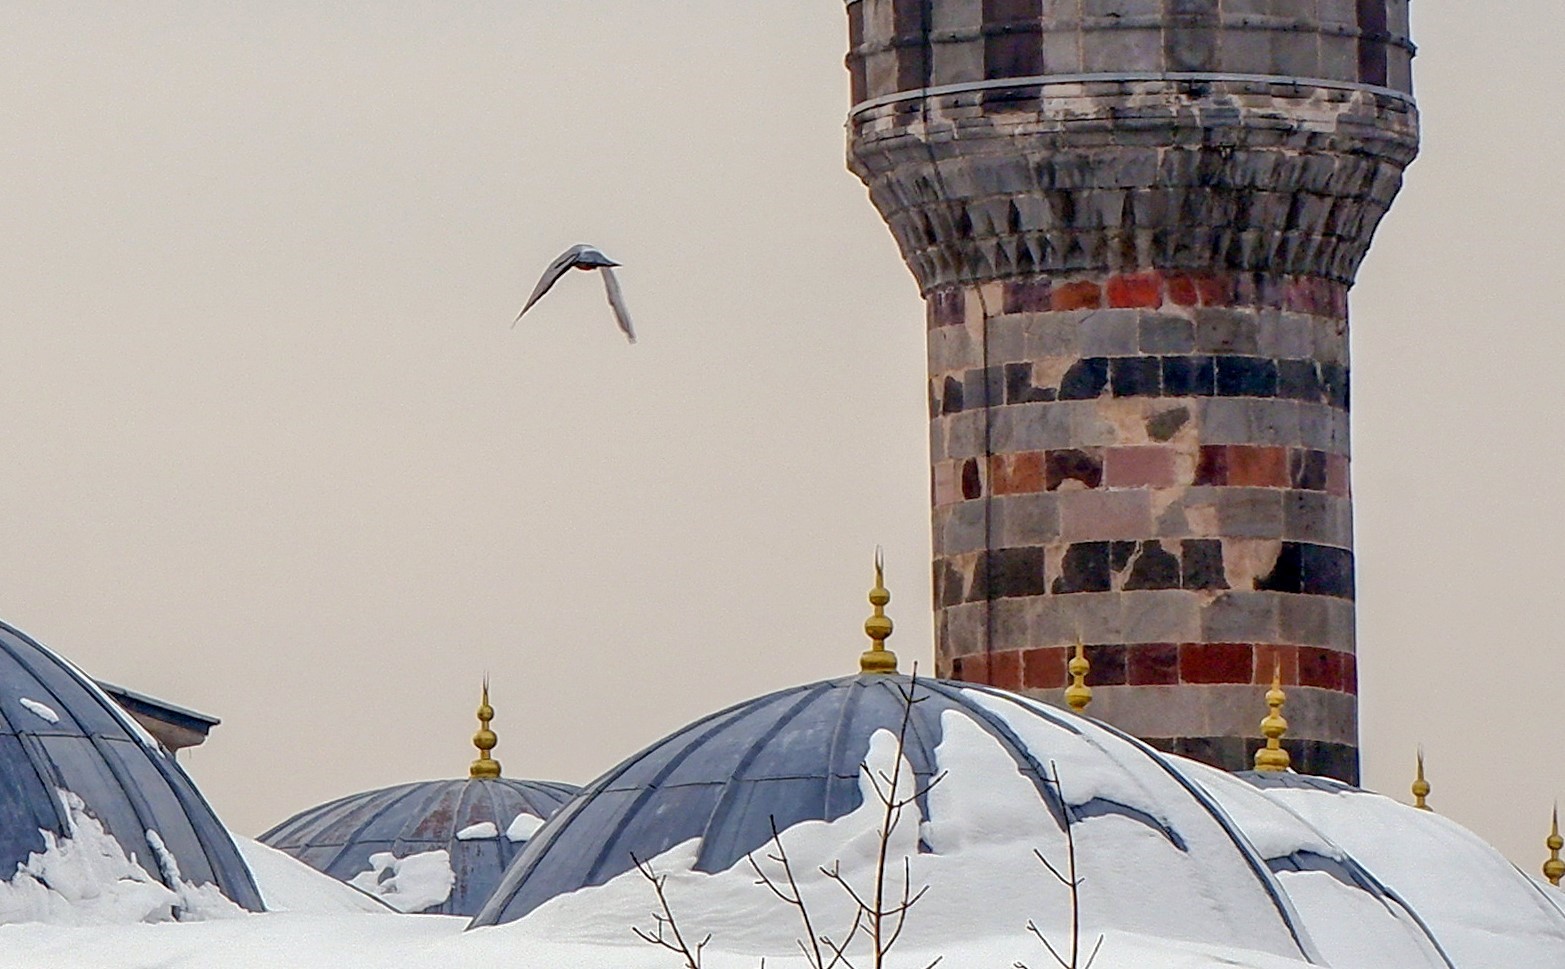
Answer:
(340, 837)
(60, 734)
(795, 756)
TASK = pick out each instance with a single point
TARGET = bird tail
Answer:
(617, 302)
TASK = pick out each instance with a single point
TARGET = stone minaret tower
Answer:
(1135, 224)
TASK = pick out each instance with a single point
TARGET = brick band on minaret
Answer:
(1135, 224)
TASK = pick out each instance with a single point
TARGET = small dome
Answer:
(1013, 769)
(72, 762)
(434, 847)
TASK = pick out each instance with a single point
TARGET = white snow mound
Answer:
(410, 884)
(86, 878)
(289, 885)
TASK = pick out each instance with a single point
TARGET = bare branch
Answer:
(666, 923)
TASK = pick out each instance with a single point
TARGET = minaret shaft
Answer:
(1135, 224)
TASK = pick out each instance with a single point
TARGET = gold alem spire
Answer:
(1421, 786)
(1078, 694)
(878, 659)
(1272, 757)
(1554, 868)
(485, 767)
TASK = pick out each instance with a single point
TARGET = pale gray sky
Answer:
(273, 451)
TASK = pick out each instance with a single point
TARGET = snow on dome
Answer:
(1159, 858)
(1483, 911)
(1350, 915)
(74, 765)
(367, 839)
(289, 885)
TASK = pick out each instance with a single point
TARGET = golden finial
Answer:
(485, 767)
(878, 659)
(1554, 868)
(1078, 694)
(1273, 757)
(1421, 786)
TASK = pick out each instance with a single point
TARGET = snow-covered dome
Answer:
(82, 784)
(436, 847)
(1303, 868)
(1160, 857)
(1480, 908)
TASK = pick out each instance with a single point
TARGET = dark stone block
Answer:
(950, 585)
(1027, 295)
(1085, 568)
(1010, 573)
(1327, 570)
(1109, 667)
(1014, 53)
(1019, 388)
(1119, 555)
(1086, 379)
(947, 307)
(1154, 568)
(1299, 380)
(1226, 753)
(1212, 465)
(1162, 427)
(1335, 378)
(1314, 758)
(1202, 560)
(1320, 667)
(1011, 11)
(1189, 376)
(1246, 377)
(1287, 574)
(972, 480)
(1216, 663)
(1307, 469)
(1153, 664)
(952, 402)
(1073, 465)
(1135, 376)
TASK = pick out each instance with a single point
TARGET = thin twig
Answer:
(666, 922)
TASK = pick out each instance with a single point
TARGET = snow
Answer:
(86, 878)
(1349, 925)
(410, 884)
(523, 827)
(289, 885)
(1192, 905)
(985, 884)
(478, 832)
(195, 901)
(1209, 890)
(41, 710)
(1485, 913)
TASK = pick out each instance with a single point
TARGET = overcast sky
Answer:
(274, 452)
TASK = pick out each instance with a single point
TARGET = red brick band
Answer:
(1164, 664)
(1152, 289)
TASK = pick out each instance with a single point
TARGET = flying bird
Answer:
(584, 258)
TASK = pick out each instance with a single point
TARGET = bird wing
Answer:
(617, 302)
(551, 276)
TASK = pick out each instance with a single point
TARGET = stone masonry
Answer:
(1135, 224)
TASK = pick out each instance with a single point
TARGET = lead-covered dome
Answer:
(79, 778)
(1159, 856)
(434, 847)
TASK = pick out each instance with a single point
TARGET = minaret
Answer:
(1135, 224)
